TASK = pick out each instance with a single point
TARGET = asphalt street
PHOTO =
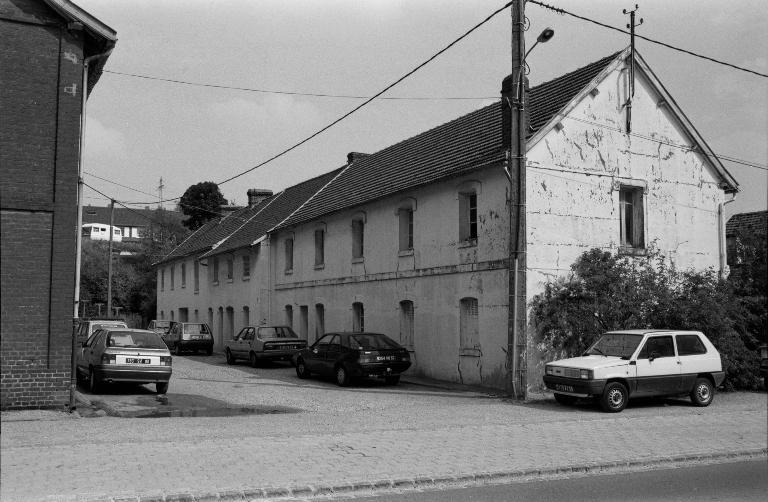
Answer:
(305, 439)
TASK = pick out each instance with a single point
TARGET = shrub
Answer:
(608, 292)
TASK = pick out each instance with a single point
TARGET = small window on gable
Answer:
(230, 268)
(406, 229)
(468, 216)
(246, 266)
(289, 255)
(358, 237)
(632, 216)
(215, 269)
(319, 247)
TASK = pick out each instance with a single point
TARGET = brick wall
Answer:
(41, 64)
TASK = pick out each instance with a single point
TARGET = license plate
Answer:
(564, 388)
(135, 360)
(386, 358)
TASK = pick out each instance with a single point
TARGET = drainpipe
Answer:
(723, 262)
(78, 229)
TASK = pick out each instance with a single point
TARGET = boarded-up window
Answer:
(406, 324)
(632, 214)
(358, 317)
(469, 326)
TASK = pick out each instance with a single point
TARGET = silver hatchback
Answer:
(124, 355)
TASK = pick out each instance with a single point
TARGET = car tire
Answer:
(703, 392)
(565, 399)
(161, 387)
(230, 357)
(177, 349)
(254, 360)
(94, 383)
(342, 376)
(614, 398)
(392, 380)
(301, 369)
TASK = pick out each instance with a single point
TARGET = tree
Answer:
(607, 292)
(201, 203)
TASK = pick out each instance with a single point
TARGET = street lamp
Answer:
(543, 37)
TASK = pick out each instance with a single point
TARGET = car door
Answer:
(692, 354)
(246, 342)
(92, 352)
(315, 360)
(83, 353)
(658, 367)
(333, 354)
(235, 345)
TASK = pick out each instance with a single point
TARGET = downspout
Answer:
(723, 262)
(78, 229)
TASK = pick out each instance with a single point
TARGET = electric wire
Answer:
(647, 39)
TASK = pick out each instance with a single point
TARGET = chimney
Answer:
(354, 156)
(507, 100)
(256, 195)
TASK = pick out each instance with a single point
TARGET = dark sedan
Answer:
(353, 355)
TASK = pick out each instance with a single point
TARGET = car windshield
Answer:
(135, 340)
(196, 329)
(616, 344)
(162, 324)
(371, 342)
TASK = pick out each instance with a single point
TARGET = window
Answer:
(230, 268)
(358, 317)
(288, 255)
(196, 274)
(658, 346)
(319, 247)
(406, 324)
(183, 275)
(468, 216)
(215, 269)
(358, 237)
(173, 279)
(319, 320)
(246, 316)
(289, 315)
(162, 279)
(246, 266)
(631, 214)
(688, 345)
(406, 229)
(304, 321)
(468, 324)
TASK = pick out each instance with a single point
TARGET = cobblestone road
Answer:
(345, 437)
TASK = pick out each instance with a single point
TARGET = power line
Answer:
(367, 101)
(691, 53)
(295, 93)
(118, 184)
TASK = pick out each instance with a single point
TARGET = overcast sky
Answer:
(140, 130)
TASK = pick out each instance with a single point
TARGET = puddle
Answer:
(214, 412)
(183, 405)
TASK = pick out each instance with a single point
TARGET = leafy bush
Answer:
(608, 292)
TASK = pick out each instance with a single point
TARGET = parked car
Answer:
(352, 355)
(88, 326)
(124, 355)
(624, 364)
(272, 343)
(193, 336)
(159, 326)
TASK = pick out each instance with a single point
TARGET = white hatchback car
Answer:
(634, 363)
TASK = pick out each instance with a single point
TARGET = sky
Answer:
(140, 130)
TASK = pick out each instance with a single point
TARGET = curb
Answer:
(369, 488)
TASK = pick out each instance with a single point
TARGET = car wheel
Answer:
(301, 369)
(614, 397)
(342, 377)
(254, 360)
(94, 384)
(177, 349)
(565, 399)
(161, 387)
(703, 392)
(230, 357)
(392, 380)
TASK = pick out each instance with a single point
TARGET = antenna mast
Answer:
(631, 27)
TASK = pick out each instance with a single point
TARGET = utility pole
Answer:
(516, 325)
(109, 262)
(631, 27)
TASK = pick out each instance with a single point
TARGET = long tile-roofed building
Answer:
(448, 150)
(272, 212)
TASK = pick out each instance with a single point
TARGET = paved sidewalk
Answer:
(455, 438)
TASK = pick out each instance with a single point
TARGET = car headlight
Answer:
(586, 374)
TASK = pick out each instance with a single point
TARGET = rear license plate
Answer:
(564, 388)
(135, 360)
(386, 358)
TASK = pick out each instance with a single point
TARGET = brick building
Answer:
(50, 48)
